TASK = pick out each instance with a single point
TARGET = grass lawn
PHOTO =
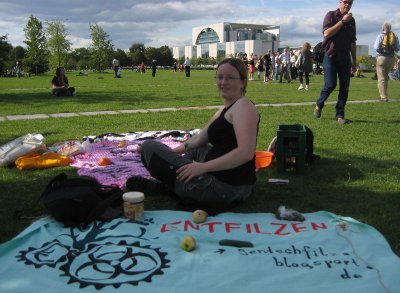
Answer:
(358, 174)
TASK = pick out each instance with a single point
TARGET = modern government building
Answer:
(233, 39)
(230, 39)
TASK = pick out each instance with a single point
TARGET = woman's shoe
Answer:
(150, 187)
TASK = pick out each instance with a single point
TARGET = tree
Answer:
(366, 62)
(82, 58)
(166, 57)
(163, 55)
(123, 58)
(101, 47)
(5, 54)
(137, 53)
(36, 58)
(18, 53)
(58, 44)
(152, 53)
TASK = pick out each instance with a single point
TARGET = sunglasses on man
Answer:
(348, 2)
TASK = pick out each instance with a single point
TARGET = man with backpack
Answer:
(385, 45)
(339, 30)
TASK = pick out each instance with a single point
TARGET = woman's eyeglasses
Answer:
(226, 77)
(347, 2)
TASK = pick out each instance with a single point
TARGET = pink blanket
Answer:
(125, 161)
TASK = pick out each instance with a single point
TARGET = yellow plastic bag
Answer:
(34, 160)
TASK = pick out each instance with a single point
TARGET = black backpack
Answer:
(318, 53)
(79, 201)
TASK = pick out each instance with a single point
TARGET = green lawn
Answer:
(358, 174)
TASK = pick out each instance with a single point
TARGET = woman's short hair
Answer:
(240, 67)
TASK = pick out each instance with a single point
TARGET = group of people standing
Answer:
(281, 66)
(141, 68)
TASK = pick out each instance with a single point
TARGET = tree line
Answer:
(47, 47)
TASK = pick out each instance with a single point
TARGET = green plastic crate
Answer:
(291, 148)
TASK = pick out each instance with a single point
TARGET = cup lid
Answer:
(133, 196)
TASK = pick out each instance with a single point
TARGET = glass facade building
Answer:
(230, 39)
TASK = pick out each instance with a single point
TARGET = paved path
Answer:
(66, 115)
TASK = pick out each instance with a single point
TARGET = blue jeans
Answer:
(187, 71)
(162, 162)
(277, 71)
(335, 68)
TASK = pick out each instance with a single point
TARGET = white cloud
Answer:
(163, 22)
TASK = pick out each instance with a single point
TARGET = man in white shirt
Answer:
(115, 66)
(187, 65)
(285, 63)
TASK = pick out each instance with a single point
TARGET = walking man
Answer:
(339, 29)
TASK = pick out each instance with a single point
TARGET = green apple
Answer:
(199, 216)
(188, 243)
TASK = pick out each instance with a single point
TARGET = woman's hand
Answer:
(189, 171)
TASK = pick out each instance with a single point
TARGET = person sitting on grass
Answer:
(214, 169)
(60, 86)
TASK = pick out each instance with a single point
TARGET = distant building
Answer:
(362, 50)
(226, 39)
(230, 39)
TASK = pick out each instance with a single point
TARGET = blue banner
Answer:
(325, 253)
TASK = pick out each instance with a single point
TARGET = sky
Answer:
(156, 23)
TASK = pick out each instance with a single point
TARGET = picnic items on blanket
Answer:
(68, 147)
(79, 201)
(175, 135)
(125, 163)
(263, 159)
(278, 181)
(104, 161)
(35, 160)
(20, 146)
(122, 153)
(133, 205)
(235, 243)
(289, 214)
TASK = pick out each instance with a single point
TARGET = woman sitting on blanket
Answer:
(217, 168)
(60, 84)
